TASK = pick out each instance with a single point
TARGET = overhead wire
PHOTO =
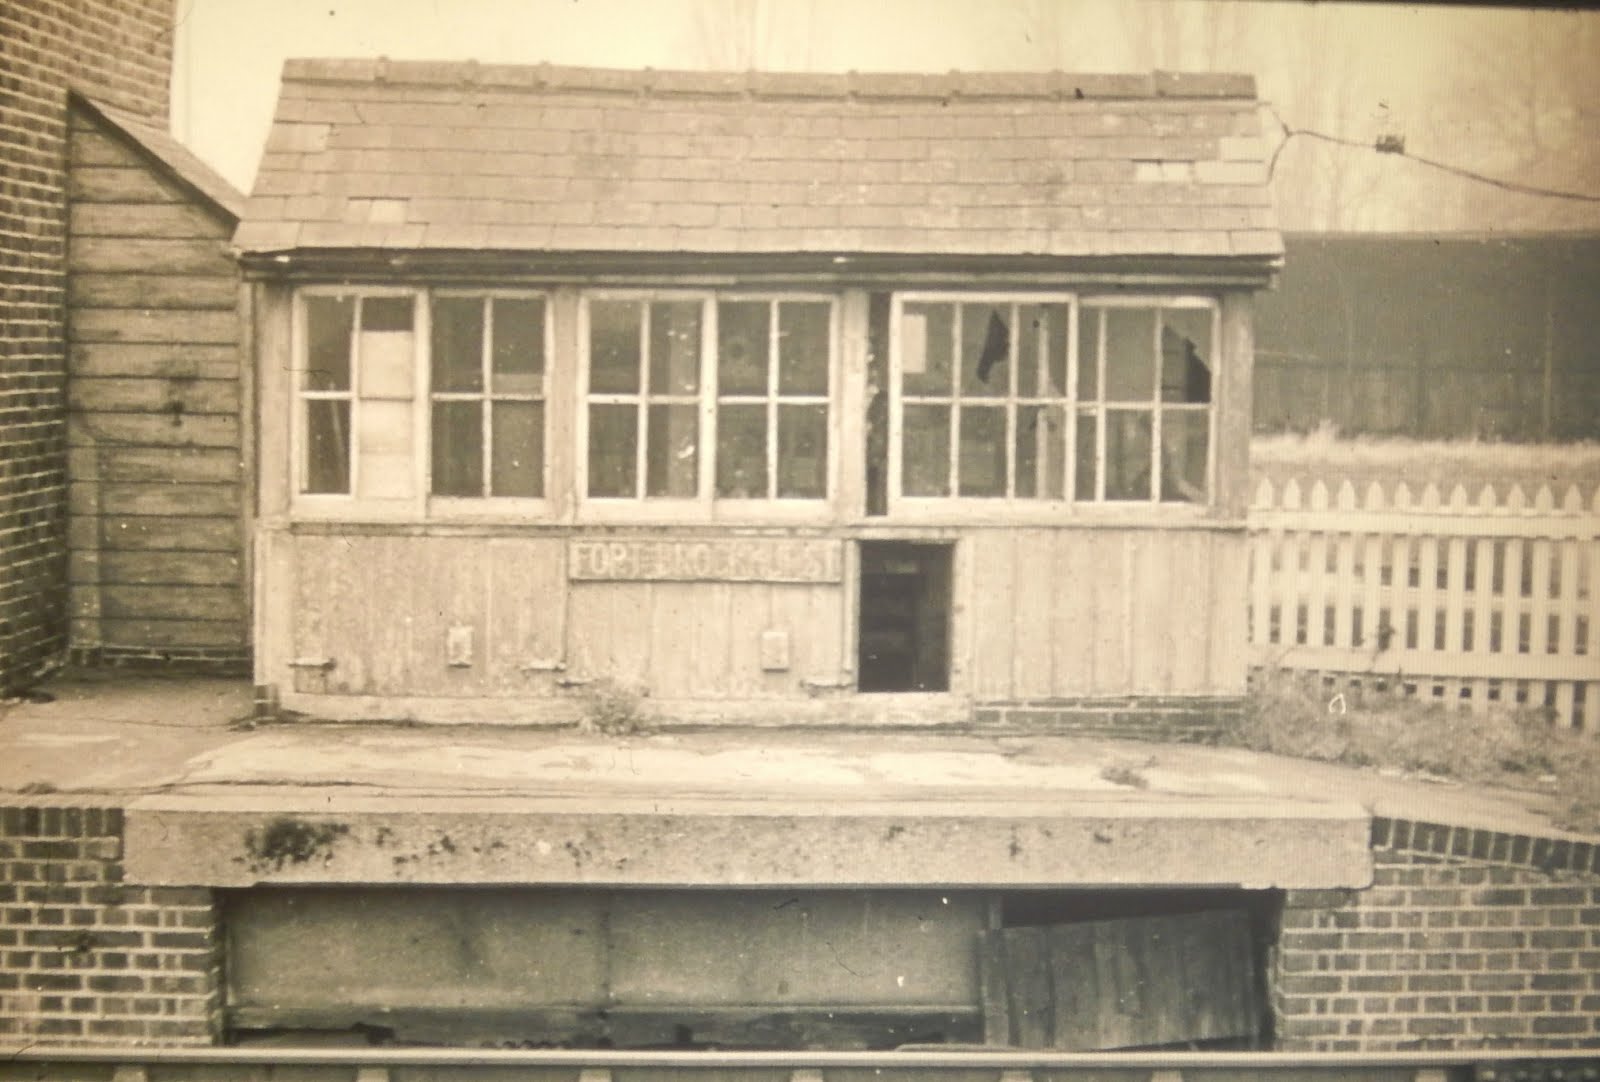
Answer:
(1396, 146)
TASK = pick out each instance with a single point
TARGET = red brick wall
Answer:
(88, 959)
(122, 49)
(1444, 952)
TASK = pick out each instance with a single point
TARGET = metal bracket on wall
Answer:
(323, 663)
(542, 664)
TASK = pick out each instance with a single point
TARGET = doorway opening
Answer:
(904, 616)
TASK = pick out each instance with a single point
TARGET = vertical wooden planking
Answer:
(610, 631)
(1033, 619)
(526, 604)
(1233, 406)
(1426, 596)
(1455, 599)
(1153, 585)
(277, 635)
(1344, 591)
(1227, 666)
(1371, 592)
(1108, 561)
(1028, 991)
(1072, 592)
(1317, 588)
(992, 605)
(750, 612)
(1196, 613)
(993, 981)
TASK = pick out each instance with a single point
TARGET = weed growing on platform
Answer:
(613, 709)
(1296, 714)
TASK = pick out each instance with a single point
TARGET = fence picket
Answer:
(1469, 600)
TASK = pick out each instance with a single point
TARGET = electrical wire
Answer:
(1396, 147)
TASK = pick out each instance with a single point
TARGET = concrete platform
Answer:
(212, 800)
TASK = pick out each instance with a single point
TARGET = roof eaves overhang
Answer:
(375, 265)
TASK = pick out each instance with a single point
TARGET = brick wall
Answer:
(1447, 949)
(89, 959)
(1184, 719)
(123, 48)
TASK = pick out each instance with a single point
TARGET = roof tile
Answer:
(462, 156)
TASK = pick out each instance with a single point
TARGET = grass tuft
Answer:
(1291, 713)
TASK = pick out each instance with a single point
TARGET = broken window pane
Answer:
(327, 446)
(672, 462)
(1130, 355)
(925, 344)
(742, 451)
(1041, 452)
(387, 466)
(983, 451)
(674, 347)
(457, 448)
(1185, 355)
(803, 334)
(803, 451)
(517, 359)
(985, 350)
(742, 338)
(614, 347)
(457, 337)
(328, 324)
(613, 450)
(517, 457)
(926, 450)
(1128, 444)
(1185, 437)
(1086, 450)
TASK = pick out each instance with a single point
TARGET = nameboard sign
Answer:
(730, 559)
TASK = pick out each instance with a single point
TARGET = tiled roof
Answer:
(462, 156)
(177, 158)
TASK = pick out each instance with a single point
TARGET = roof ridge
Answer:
(677, 82)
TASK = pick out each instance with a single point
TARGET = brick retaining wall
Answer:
(1447, 949)
(89, 959)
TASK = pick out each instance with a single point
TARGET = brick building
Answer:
(122, 49)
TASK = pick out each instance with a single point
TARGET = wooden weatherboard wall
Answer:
(156, 494)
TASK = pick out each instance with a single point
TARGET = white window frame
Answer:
(453, 506)
(1009, 508)
(350, 504)
(1153, 405)
(705, 506)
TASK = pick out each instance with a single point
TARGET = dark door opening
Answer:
(904, 617)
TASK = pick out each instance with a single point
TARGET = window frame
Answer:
(341, 504)
(705, 506)
(1009, 508)
(450, 506)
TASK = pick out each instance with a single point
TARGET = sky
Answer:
(1353, 70)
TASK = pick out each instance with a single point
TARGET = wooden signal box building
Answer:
(769, 398)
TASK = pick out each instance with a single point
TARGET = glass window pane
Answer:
(983, 451)
(1128, 436)
(743, 329)
(386, 313)
(803, 340)
(674, 347)
(925, 455)
(803, 452)
(517, 359)
(327, 446)
(613, 450)
(1032, 328)
(1186, 355)
(742, 452)
(517, 457)
(614, 347)
(1059, 327)
(925, 344)
(457, 361)
(328, 324)
(1041, 452)
(672, 457)
(457, 448)
(1184, 446)
(985, 349)
(1130, 354)
(1085, 451)
(1089, 353)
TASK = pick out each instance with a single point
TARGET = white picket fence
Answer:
(1461, 598)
